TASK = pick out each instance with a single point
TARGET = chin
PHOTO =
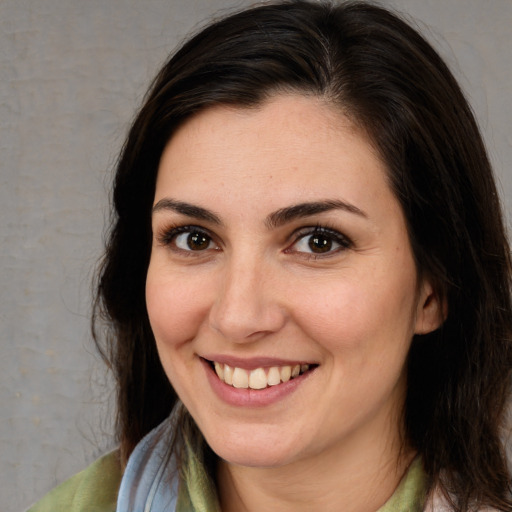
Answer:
(255, 457)
(252, 450)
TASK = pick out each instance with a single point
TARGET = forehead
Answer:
(291, 145)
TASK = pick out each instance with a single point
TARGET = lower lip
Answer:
(252, 397)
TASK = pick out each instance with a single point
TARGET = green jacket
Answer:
(95, 490)
(92, 490)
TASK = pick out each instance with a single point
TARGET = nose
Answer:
(247, 306)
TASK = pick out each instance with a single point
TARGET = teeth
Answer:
(228, 374)
(258, 378)
(219, 369)
(240, 378)
(286, 373)
(274, 376)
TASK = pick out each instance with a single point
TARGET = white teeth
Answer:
(259, 378)
(286, 373)
(228, 374)
(274, 376)
(240, 378)
(219, 369)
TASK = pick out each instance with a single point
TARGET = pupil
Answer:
(319, 243)
(198, 241)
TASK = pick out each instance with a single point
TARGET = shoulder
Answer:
(93, 490)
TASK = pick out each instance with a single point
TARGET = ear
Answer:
(431, 311)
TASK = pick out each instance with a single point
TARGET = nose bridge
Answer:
(246, 305)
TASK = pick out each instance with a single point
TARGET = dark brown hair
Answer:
(388, 79)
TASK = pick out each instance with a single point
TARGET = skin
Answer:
(259, 290)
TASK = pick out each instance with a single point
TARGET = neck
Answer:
(348, 479)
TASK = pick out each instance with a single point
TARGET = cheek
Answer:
(175, 314)
(175, 308)
(359, 312)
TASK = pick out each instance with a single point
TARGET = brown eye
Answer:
(198, 241)
(320, 243)
(193, 241)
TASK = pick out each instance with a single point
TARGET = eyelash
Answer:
(167, 237)
(329, 234)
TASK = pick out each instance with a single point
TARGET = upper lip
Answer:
(251, 363)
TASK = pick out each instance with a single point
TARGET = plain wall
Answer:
(72, 73)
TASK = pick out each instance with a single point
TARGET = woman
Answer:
(307, 279)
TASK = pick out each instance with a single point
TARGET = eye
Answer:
(193, 241)
(319, 241)
(188, 238)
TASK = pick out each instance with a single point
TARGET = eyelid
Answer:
(342, 240)
(168, 234)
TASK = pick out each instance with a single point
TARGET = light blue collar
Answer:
(150, 481)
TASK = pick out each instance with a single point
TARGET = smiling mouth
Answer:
(259, 378)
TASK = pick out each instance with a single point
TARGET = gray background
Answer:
(71, 75)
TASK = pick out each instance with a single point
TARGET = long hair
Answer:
(381, 73)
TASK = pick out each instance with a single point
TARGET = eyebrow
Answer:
(187, 209)
(290, 213)
(274, 220)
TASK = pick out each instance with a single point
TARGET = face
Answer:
(282, 291)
